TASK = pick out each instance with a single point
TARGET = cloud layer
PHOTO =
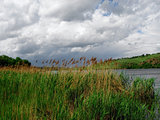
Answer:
(59, 28)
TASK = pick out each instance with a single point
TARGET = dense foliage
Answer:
(74, 95)
(8, 61)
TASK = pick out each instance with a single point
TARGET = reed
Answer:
(31, 93)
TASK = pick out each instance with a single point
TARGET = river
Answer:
(144, 73)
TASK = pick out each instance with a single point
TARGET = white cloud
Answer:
(116, 28)
(67, 10)
(81, 49)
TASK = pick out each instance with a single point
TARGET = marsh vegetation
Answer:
(80, 92)
(31, 93)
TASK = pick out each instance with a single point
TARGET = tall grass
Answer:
(74, 95)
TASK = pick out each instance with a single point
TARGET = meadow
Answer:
(136, 62)
(28, 93)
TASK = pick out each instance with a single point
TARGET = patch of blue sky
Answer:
(140, 31)
(110, 0)
(100, 3)
(115, 4)
(107, 14)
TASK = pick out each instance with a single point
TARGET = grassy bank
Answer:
(74, 95)
(136, 62)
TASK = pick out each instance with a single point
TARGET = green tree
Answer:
(8, 61)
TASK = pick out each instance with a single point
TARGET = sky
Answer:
(41, 29)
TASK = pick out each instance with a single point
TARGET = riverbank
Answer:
(74, 95)
(136, 62)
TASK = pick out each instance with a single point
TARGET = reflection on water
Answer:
(144, 73)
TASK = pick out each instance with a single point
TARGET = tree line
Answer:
(9, 61)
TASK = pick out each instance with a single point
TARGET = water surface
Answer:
(144, 73)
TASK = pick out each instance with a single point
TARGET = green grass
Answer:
(75, 95)
(137, 62)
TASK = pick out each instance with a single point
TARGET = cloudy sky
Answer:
(38, 29)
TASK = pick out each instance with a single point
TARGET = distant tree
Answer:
(26, 62)
(8, 61)
(18, 59)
